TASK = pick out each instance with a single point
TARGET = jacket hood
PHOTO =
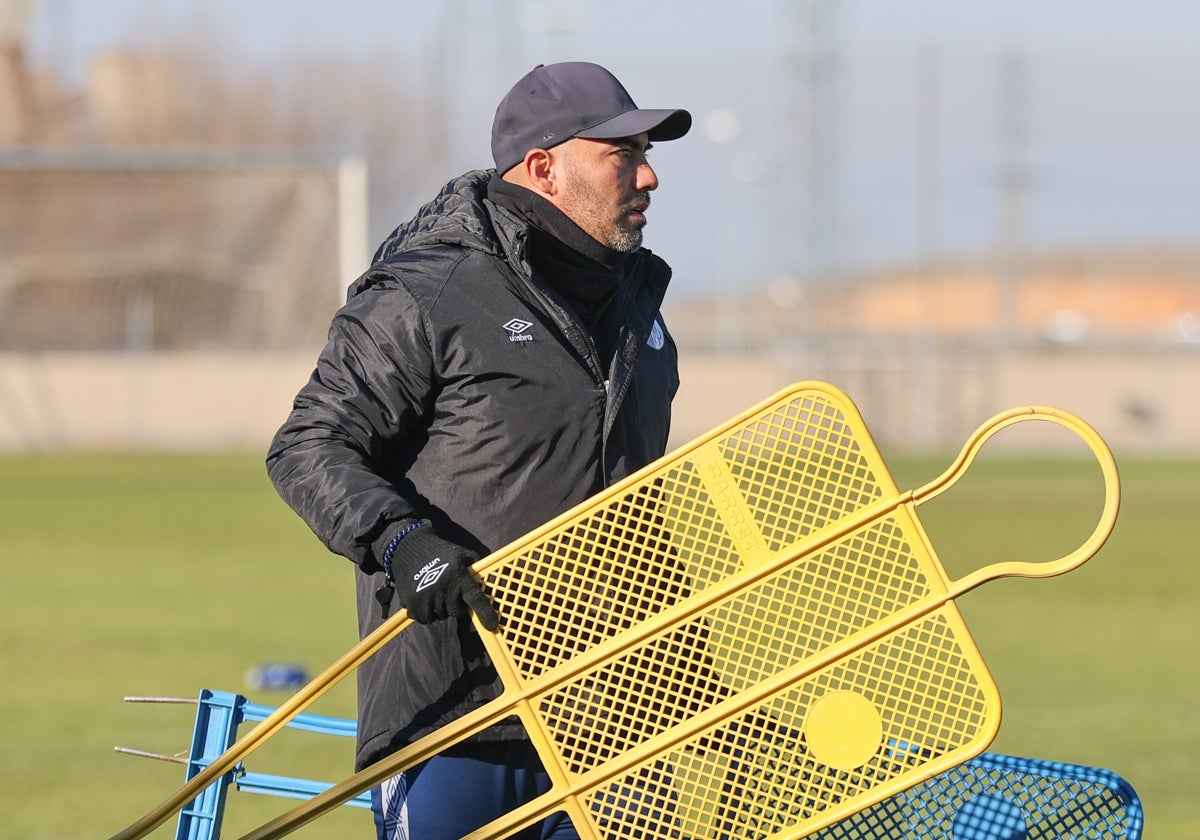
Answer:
(455, 216)
(461, 215)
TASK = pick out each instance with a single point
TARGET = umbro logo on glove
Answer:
(433, 578)
(430, 573)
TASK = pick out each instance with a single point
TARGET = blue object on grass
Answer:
(1002, 797)
(277, 675)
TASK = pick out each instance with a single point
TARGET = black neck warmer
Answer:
(583, 271)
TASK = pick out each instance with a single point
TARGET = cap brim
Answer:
(659, 123)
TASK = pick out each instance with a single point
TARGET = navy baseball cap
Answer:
(555, 102)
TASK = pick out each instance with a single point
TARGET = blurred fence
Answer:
(166, 301)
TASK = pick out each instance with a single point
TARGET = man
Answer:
(502, 360)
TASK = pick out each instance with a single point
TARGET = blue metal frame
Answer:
(1002, 797)
(218, 716)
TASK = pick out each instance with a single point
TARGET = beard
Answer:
(588, 208)
(622, 234)
(625, 236)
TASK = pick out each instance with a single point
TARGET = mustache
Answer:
(639, 201)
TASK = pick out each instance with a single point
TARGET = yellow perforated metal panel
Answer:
(750, 638)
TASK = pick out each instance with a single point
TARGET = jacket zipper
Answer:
(569, 326)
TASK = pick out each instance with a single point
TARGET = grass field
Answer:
(161, 575)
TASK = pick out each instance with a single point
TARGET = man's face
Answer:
(605, 188)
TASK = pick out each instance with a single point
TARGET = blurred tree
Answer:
(196, 90)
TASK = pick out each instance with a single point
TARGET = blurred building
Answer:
(928, 352)
(34, 108)
(1132, 297)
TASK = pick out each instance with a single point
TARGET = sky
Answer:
(939, 129)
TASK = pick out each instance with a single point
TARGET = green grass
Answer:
(161, 575)
(142, 575)
(1094, 667)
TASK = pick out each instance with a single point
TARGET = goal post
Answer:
(166, 285)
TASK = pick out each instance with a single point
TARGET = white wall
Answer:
(1138, 399)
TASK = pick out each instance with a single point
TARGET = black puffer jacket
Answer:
(456, 387)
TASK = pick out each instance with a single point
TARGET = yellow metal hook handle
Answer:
(1108, 515)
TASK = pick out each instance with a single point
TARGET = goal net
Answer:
(120, 250)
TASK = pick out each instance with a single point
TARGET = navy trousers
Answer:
(465, 788)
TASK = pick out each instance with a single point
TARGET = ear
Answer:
(539, 168)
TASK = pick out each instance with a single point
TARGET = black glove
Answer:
(433, 578)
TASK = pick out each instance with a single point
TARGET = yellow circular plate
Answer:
(843, 730)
